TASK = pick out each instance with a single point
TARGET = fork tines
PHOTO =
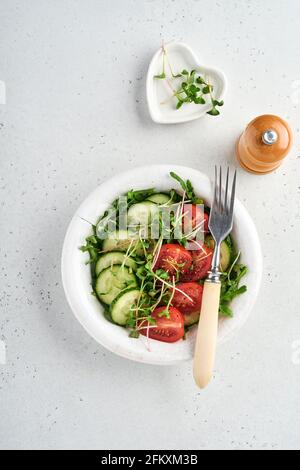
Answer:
(224, 205)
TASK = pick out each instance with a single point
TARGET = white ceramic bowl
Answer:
(77, 280)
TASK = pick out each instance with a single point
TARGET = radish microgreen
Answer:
(187, 188)
(192, 88)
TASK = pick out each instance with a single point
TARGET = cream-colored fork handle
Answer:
(205, 350)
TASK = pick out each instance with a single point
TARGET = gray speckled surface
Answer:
(75, 114)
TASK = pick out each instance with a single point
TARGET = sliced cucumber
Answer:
(143, 219)
(160, 198)
(225, 252)
(112, 281)
(123, 304)
(191, 318)
(114, 257)
(142, 213)
(121, 241)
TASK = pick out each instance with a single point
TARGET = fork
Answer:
(220, 226)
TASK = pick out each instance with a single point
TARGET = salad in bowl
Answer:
(135, 259)
(149, 255)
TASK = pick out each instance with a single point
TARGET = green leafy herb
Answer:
(231, 286)
(214, 111)
(92, 246)
(193, 88)
(138, 196)
(207, 89)
(134, 334)
(187, 188)
(164, 313)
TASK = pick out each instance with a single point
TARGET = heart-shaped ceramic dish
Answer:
(77, 278)
(162, 107)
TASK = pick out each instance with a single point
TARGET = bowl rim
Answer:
(71, 296)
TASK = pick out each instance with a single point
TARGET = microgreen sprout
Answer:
(231, 283)
(193, 87)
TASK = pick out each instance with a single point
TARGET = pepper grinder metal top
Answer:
(264, 144)
(269, 137)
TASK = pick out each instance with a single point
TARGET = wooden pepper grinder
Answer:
(264, 144)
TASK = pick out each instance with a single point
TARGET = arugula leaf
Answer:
(92, 246)
(231, 287)
(107, 222)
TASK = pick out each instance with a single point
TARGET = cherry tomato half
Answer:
(188, 305)
(167, 330)
(174, 259)
(201, 265)
(194, 218)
